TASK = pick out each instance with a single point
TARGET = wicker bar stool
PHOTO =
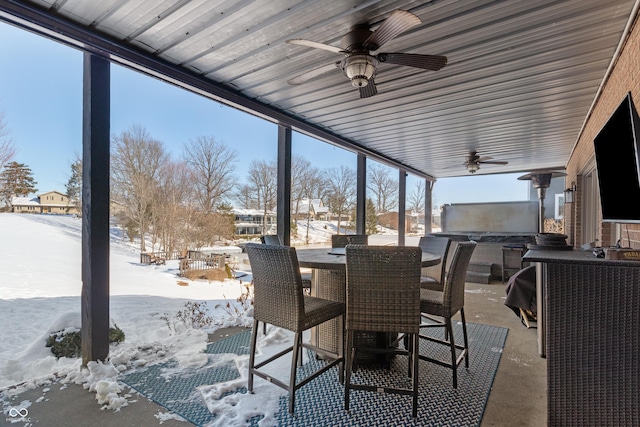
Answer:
(274, 239)
(383, 295)
(280, 301)
(270, 239)
(342, 240)
(433, 277)
(445, 305)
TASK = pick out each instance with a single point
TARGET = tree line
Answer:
(187, 200)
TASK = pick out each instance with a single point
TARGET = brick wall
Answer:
(624, 78)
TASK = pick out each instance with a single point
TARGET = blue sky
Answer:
(41, 97)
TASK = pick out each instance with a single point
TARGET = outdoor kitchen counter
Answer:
(588, 329)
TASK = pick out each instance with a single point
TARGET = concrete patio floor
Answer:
(518, 396)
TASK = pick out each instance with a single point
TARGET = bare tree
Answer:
(7, 153)
(383, 187)
(263, 183)
(244, 196)
(212, 170)
(7, 148)
(341, 190)
(137, 162)
(173, 210)
(416, 198)
(309, 185)
(300, 169)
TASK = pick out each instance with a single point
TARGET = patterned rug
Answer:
(320, 402)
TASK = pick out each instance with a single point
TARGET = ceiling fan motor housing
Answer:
(353, 40)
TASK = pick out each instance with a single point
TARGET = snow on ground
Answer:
(40, 288)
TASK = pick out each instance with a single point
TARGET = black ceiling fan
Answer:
(472, 161)
(359, 65)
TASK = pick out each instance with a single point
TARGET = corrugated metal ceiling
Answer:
(520, 78)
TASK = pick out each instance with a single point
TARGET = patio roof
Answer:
(520, 80)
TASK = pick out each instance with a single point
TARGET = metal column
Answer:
(95, 208)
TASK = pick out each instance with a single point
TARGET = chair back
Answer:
(342, 240)
(437, 245)
(383, 288)
(277, 286)
(457, 276)
(271, 239)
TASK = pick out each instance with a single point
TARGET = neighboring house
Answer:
(313, 208)
(52, 202)
(25, 205)
(250, 221)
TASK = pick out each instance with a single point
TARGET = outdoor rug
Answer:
(320, 403)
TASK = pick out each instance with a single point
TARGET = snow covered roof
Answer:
(254, 212)
(316, 205)
(24, 201)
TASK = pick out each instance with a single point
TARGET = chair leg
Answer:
(409, 346)
(294, 368)
(349, 366)
(452, 343)
(414, 377)
(300, 355)
(466, 341)
(252, 354)
(341, 350)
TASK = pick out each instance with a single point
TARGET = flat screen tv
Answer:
(617, 163)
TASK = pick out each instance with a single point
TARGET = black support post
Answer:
(361, 195)
(428, 205)
(402, 207)
(284, 184)
(95, 208)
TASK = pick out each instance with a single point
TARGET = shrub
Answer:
(69, 344)
(245, 299)
(194, 315)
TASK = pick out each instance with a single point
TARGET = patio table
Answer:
(328, 281)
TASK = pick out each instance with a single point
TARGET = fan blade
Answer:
(493, 162)
(311, 74)
(482, 159)
(427, 62)
(397, 23)
(369, 90)
(316, 45)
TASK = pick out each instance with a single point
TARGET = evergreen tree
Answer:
(74, 184)
(16, 179)
(371, 218)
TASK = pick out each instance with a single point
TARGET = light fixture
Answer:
(359, 69)
(473, 167)
(569, 194)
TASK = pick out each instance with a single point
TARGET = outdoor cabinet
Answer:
(589, 334)
(512, 260)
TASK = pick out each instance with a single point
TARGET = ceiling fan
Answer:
(472, 161)
(359, 65)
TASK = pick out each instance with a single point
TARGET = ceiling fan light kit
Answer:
(473, 167)
(359, 69)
